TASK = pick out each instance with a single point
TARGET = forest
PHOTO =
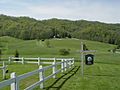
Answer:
(27, 28)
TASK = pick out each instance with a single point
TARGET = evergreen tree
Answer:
(17, 54)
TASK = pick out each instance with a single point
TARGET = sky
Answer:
(92, 10)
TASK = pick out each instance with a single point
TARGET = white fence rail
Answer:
(34, 60)
(14, 81)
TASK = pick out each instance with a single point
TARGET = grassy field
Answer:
(103, 75)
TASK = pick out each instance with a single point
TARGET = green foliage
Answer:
(17, 55)
(64, 51)
(28, 29)
(85, 47)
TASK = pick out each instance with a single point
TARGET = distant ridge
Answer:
(29, 28)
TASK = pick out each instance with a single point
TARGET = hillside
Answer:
(103, 74)
(34, 48)
(29, 29)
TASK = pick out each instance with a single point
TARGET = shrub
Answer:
(64, 51)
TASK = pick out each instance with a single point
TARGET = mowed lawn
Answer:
(96, 77)
(104, 74)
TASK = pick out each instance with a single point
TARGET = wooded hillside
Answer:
(28, 28)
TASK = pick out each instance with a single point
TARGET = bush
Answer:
(64, 51)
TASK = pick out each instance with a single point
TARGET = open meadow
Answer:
(104, 74)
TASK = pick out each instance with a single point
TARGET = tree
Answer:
(28, 29)
(17, 54)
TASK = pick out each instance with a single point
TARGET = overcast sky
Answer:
(92, 10)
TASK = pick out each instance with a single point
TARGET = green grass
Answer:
(96, 77)
(103, 75)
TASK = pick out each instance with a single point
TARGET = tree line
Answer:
(27, 28)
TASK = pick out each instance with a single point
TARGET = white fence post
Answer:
(39, 61)
(54, 68)
(22, 60)
(70, 61)
(73, 61)
(55, 60)
(65, 64)
(4, 70)
(41, 77)
(14, 86)
(62, 65)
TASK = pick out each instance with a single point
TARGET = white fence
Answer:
(14, 81)
(38, 60)
(3, 68)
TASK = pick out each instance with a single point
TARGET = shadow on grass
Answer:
(63, 79)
